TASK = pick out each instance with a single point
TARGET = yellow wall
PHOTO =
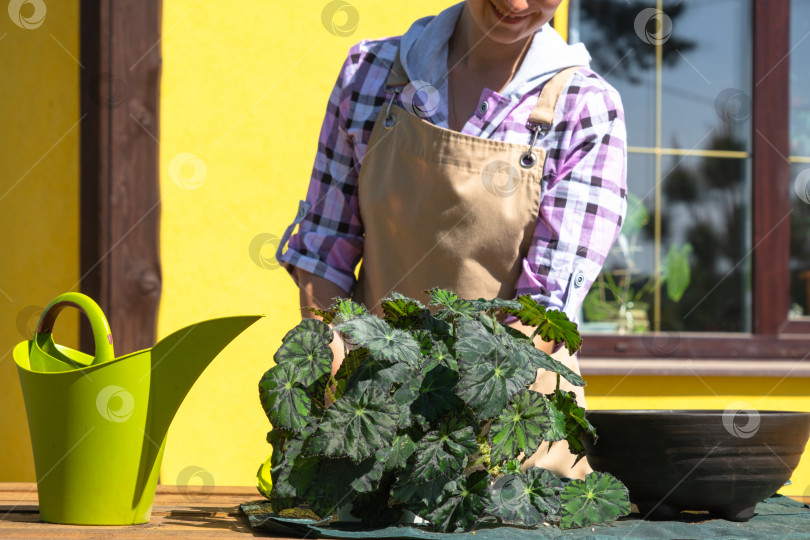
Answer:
(244, 90)
(39, 196)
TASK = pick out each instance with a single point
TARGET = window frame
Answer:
(773, 336)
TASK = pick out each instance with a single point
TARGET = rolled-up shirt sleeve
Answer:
(583, 204)
(329, 241)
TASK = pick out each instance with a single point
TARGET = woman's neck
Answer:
(471, 48)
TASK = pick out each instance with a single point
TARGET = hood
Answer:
(423, 52)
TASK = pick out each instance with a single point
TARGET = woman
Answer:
(506, 178)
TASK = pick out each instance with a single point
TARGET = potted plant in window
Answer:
(616, 300)
(432, 414)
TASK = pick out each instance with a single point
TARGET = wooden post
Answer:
(120, 198)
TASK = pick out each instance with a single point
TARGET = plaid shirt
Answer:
(584, 186)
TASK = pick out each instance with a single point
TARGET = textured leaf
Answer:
(462, 502)
(441, 354)
(374, 509)
(487, 381)
(382, 341)
(310, 325)
(556, 426)
(356, 426)
(577, 427)
(552, 325)
(284, 397)
(444, 451)
(325, 484)
(340, 311)
(494, 305)
(453, 305)
(541, 360)
(396, 456)
(429, 395)
(379, 373)
(520, 427)
(308, 353)
(416, 492)
(599, 498)
(527, 499)
(403, 313)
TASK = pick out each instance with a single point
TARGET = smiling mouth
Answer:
(504, 15)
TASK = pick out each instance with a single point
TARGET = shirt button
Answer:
(579, 280)
(483, 108)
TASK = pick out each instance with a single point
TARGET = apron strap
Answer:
(396, 76)
(543, 113)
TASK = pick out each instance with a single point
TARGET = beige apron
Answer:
(450, 210)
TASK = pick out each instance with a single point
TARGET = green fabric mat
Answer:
(777, 518)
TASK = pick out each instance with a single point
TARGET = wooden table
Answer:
(178, 512)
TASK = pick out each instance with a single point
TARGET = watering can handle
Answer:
(98, 322)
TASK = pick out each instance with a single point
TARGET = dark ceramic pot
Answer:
(721, 461)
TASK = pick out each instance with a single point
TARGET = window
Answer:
(714, 256)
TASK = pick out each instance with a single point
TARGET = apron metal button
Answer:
(483, 108)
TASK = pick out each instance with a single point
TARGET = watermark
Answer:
(741, 420)
(187, 171)
(802, 186)
(263, 249)
(27, 14)
(662, 344)
(421, 98)
(653, 26)
(108, 90)
(733, 106)
(340, 18)
(27, 320)
(115, 403)
(501, 178)
(195, 483)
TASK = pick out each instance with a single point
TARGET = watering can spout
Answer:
(180, 358)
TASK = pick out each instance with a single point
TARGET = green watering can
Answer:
(98, 424)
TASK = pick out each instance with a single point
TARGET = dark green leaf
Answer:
(598, 499)
(396, 456)
(416, 492)
(462, 502)
(403, 313)
(380, 373)
(444, 451)
(487, 381)
(556, 426)
(310, 325)
(541, 360)
(356, 426)
(577, 427)
(552, 325)
(430, 394)
(340, 311)
(284, 397)
(374, 508)
(453, 305)
(325, 484)
(382, 341)
(494, 305)
(308, 352)
(527, 499)
(520, 427)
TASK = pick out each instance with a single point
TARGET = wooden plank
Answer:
(120, 265)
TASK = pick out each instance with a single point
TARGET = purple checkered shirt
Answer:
(584, 180)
